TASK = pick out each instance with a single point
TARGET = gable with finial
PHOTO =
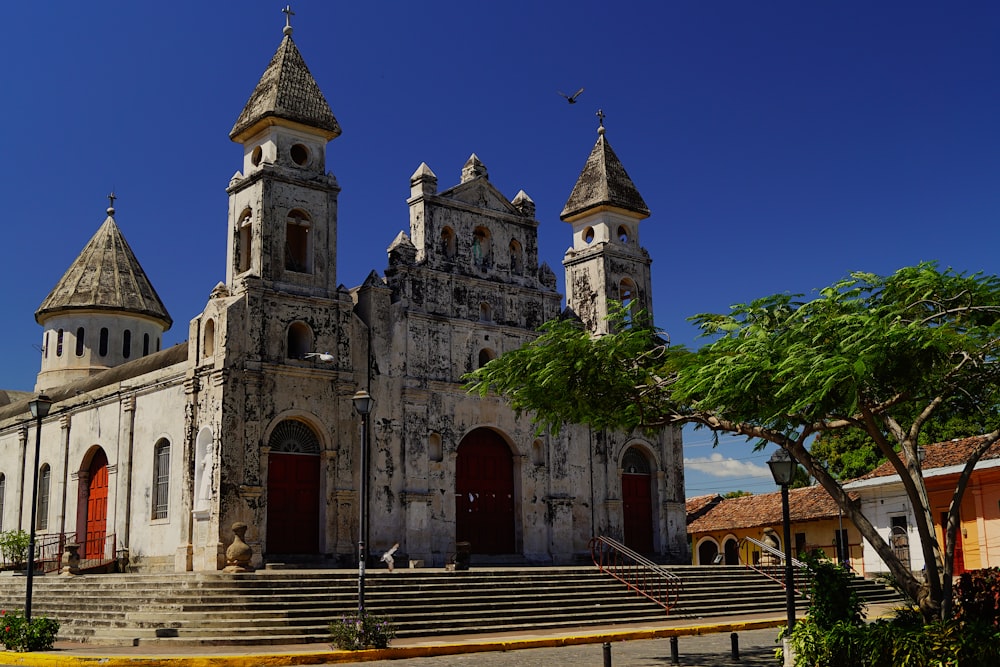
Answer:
(477, 191)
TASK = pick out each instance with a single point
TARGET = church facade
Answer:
(155, 454)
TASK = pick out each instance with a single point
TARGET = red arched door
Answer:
(484, 493)
(637, 502)
(292, 503)
(97, 506)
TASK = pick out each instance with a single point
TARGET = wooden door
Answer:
(292, 503)
(97, 507)
(958, 565)
(484, 494)
(637, 501)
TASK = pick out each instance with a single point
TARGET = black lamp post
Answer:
(783, 468)
(39, 407)
(363, 403)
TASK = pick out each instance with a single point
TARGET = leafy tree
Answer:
(736, 494)
(880, 355)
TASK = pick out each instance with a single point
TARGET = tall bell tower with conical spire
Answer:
(606, 262)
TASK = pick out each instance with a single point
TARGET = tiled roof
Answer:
(941, 455)
(287, 90)
(810, 503)
(603, 182)
(105, 276)
(698, 505)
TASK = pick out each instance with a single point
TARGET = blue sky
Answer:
(778, 144)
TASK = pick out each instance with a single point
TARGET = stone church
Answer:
(154, 454)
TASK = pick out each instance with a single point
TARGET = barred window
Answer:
(161, 479)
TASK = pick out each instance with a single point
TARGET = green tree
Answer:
(736, 494)
(881, 355)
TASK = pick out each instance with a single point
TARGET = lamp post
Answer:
(363, 403)
(782, 469)
(39, 407)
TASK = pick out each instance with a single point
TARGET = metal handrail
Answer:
(636, 571)
(774, 553)
(49, 550)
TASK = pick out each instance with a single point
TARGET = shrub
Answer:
(977, 596)
(360, 631)
(14, 547)
(831, 598)
(18, 634)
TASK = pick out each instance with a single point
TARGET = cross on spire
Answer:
(600, 116)
(111, 203)
(287, 11)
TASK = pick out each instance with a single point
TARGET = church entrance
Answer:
(293, 493)
(637, 502)
(97, 506)
(484, 493)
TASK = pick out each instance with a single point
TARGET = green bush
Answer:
(18, 634)
(977, 596)
(353, 633)
(14, 547)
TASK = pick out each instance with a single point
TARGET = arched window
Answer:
(623, 233)
(45, 345)
(245, 239)
(42, 509)
(3, 496)
(486, 355)
(299, 340)
(103, 345)
(293, 437)
(161, 479)
(59, 343)
(482, 253)
(79, 341)
(145, 344)
(127, 344)
(297, 232)
(485, 312)
(448, 243)
(516, 258)
(208, 346)
(634, 462)
(627, 296)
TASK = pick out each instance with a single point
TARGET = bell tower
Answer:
(606, 262)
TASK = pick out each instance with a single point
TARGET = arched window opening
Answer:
(538, 452)
(481, 250)
(59, 343)
(434, 449)
(145, 344)
(293, 437)
(161, 479)
(299, 340)
(623, 233)
(588, 235)
(80, 333)
(448, 243)
(103, 345)
(45, 345)
(485, 312)
(42, 509)
(627, 297)
(127, 344)
(3, 496)
(634, 462)
(516, 258)
(208, 347)
(486, 355)
(297, 228)
(245, 240)
(157, 343)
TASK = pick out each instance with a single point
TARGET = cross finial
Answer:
(287, 11)
(111, 203)
(600, 116)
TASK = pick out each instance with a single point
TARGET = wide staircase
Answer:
(296, 606)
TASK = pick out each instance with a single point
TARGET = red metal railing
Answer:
(49, 551)
(636, 571)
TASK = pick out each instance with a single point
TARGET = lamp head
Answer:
(363, 402)
(40, 406)
(782, 467)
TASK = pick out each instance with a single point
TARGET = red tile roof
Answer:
(810, 503)
(698, 505)
(942, 455)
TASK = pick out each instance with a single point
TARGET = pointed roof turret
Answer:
(603, 182)
(286, 91)
(105, 276)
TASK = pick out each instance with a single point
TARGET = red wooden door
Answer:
(97, 507)
(637, 501)
(958, 565)
(292, 503)
(484, 494)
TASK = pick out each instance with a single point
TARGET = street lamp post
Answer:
(39, 407)
(363, 403)
(783, 468)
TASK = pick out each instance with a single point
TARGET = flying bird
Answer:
(322, 356)
(571, 98)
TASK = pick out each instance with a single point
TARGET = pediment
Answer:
(480, 193)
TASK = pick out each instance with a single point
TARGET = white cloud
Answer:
(717, 465)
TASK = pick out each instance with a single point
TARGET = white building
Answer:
(158, 452)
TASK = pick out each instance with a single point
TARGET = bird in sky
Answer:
(571, 98)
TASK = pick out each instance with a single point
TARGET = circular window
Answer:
(588, 235)
(256, 156)
(300, 154)
(623, 234)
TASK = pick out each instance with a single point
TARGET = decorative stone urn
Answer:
(71, 559)
(239, 553)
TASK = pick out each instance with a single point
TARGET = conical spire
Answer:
(105, 276)
(603, 182)
(287, 90)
